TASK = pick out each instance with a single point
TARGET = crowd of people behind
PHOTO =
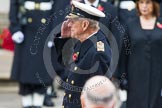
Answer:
(136, 26)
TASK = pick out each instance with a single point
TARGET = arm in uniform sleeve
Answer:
(103, 58)
(59, 44)
(13, 16)
(58, 65)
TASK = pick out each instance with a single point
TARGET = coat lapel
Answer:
(87, 44)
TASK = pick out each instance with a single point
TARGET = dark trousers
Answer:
(25, 89)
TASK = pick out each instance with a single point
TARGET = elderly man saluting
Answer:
(90, 56)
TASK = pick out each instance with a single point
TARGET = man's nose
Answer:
(144, 5)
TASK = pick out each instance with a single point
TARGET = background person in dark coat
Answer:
(126, 10)
(141, 58)
(91, 47)
(111, 17)
(160, 9)
(28, 24)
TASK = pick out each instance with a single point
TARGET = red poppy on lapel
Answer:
(100, 7)
(159, 25)
(75, 56)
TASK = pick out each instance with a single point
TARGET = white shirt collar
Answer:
(94, 3)
(92, 34)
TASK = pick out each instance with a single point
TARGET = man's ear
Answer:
(85, 25)
(82, 101)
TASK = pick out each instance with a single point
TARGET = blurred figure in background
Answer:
(141, 57)
(160, 9)
(126, 10)
(111, 16)
(61, 8)
(27, 22)
(99, 92)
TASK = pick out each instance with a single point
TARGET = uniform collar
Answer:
(91, 34)
(95, 4)
(83, 47)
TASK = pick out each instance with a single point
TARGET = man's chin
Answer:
(72, 36)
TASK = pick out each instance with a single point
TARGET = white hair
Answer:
(92, 23)
(99, 90)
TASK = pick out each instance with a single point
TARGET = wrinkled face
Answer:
(76, 27)
(145, 7)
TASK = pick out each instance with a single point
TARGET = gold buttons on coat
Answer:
(72, 82)
(37, 6)
(75, 68)
(64, 94)
(29, 20)
(62, 106)
(43, 20)
(129, 9)
(67, 80)
(69, 95)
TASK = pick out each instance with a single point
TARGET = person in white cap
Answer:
(100, 92)
(90, 55)
(26, 20)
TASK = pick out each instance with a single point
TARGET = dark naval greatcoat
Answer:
(28, 65)
(89, 58)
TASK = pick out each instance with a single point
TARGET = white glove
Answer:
(50, 44)
(123, 95)
(18, 37)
